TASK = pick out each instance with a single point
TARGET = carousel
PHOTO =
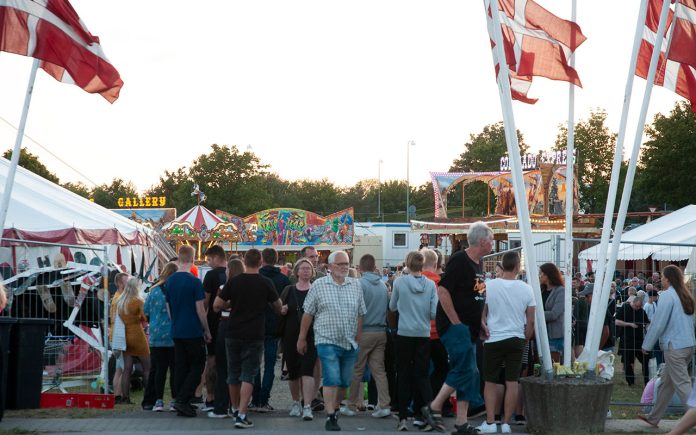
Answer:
(201, 228)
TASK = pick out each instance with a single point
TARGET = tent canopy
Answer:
(43, 211)
(678, 227)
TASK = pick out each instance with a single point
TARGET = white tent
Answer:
(43, 211)
(678, 227)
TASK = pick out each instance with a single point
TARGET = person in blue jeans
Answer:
(335, 303)
(458, 322)
(262, 387)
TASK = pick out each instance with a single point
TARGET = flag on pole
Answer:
(676, 66)
(536, 43)
(51, 30)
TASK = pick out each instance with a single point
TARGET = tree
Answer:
(78, 188)
(32, 163)
(667, 160)
(594, 144)
(107, 195)
(482, 153)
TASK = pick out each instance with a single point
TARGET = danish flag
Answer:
(675, 70)
(536, 43)
(51, 30)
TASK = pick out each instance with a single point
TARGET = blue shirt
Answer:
(183, 290)
(160, 323)
(670, 324)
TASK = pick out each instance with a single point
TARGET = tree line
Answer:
(238, 182)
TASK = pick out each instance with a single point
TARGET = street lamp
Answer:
(408, 187)
(379, 189)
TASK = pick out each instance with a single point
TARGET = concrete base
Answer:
(566, 405)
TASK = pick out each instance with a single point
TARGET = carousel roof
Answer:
(199, 216)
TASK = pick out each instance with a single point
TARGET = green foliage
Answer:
(78, 188)
(32, 163)
(667, 160)
(107, 195)
(595, 145)
(482, 153)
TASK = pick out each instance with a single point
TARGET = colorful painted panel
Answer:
(153, 217)
(293, 227)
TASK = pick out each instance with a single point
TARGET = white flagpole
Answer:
(602, 288)
(570, 151)
(5, 205)
(519, 188)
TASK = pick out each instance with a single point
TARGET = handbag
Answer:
(118, 339)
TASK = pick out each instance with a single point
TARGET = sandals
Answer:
(434, 419)
(46, 298)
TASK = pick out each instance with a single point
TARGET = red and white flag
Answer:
(536, 43)
(51, 30)
(676, 66)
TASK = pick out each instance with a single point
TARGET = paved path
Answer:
(168, 423)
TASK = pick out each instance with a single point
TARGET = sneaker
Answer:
(520, 420)
(242, 422)
(307, 413)
(172, 408)
(209, 406)
(159, 406)
(371, 407)
(465, 429)
(233, 412)
(197, 400)
(332, 423)
(317, 405)
(212, 414)
(402, 427)
(253, 407)
(488, 427)
(265, 408)
(148, 407)
(433, 419)
(296, 409)
(347, 411)
(381, 413)
(418, 423)
(505, 428)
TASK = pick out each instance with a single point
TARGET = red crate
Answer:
(77, 400)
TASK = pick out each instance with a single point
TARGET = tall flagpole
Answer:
(569, 203)
(7, 193)
(603, 278)
(518, 188)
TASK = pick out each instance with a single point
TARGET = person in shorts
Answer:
(336, 305)
(246, 295)
(506, 323)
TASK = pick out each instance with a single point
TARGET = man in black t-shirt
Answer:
(633, 320)
(246, 295)
(215, 256)
(458, 323)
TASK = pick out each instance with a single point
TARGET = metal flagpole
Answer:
(569, 203)
(628, 186)
(518, 188)
(5, 205)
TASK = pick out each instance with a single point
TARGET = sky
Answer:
(315, 88)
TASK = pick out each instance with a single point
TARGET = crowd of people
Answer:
(426, 340)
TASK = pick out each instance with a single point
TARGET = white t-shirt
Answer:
(507, 302)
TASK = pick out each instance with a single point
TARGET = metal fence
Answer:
(72, 296)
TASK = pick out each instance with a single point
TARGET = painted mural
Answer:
(293, 227)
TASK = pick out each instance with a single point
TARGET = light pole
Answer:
(379, 189)
(408, 181)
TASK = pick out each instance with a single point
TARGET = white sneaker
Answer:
(296, 409)
(347, 411)
(505, 428)
(307, 413)
(488, 428)
(381, 413)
